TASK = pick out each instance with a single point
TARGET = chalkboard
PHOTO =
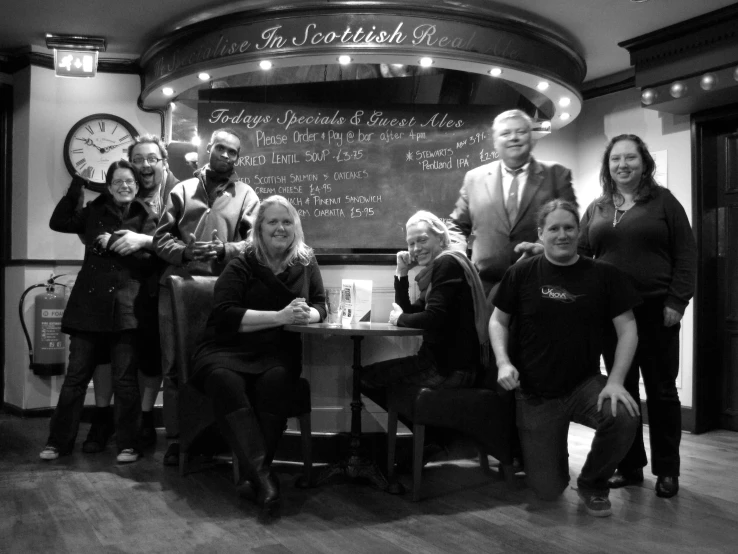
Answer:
(355, 173)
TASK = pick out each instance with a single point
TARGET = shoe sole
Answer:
(623, 484)
(48, 457)
(127, 460)
(590, 511)
(598, 513)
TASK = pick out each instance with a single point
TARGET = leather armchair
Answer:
(192, 302)
(482, 414)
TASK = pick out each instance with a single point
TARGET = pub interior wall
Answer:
(45, 109)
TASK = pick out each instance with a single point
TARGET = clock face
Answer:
(94, 143)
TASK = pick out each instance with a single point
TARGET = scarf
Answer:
(479, 300)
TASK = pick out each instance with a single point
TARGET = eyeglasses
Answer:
(120, 182)
(138, 160)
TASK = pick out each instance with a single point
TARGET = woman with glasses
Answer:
(107, 306)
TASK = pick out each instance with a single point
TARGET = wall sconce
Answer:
(75, 56)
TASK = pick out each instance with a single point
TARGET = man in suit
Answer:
(498, 202)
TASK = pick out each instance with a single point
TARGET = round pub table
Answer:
(355, 466)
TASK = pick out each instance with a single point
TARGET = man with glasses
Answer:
(204, 225)
(498, 202)
(150, 157)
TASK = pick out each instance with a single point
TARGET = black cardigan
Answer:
(246, 284)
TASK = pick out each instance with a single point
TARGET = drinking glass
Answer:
(333, 304)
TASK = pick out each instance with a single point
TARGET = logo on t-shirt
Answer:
(559, 294)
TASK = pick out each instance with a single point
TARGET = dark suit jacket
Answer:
(480, 221)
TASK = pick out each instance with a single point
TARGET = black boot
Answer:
(247, 441)
(272, 427)
(101, 430)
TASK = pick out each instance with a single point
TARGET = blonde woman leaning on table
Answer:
(451, 310)
(247, 364)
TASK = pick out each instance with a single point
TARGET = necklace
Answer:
(616, 219)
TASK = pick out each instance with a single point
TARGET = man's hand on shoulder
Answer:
(528, 249)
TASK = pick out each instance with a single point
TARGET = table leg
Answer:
(356, 466)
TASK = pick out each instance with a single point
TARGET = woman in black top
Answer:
(108, 306)
(641, 228)
(247, 363)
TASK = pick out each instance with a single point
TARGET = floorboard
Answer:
(88, 503)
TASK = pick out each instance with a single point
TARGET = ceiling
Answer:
(594, 27)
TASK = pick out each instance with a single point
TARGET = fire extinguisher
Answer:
(51, 345)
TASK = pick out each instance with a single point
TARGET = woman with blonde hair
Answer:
(451, 309)
(247, 363)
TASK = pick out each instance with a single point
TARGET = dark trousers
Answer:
(411, 370)
(657, 356)
(271, 392)
(543, 425)
(170, 412)
(84, 349)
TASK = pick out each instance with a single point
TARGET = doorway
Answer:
(715, 175)
(6, 149)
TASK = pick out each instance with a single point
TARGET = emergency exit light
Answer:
(75, 55)
(75, 63)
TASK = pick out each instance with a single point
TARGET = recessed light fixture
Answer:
(638, 1)
(543, 85)
(564, 116)
(265, 64)
(167, 91)
(398, 65)
(564, 101)
(425, 62)
(204, 76)
(495, 72)
(344, 60)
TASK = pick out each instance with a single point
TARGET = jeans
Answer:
(543, 425)
(657, 356)
(83, 358)
(170, 411)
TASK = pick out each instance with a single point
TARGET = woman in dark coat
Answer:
(247, 363)
(108, 305)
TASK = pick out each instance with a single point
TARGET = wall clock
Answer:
(93, 143)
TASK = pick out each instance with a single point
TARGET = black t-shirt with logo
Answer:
(559, 316)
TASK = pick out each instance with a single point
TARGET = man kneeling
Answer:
(559, 305)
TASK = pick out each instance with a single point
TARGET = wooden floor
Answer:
(88, 504)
